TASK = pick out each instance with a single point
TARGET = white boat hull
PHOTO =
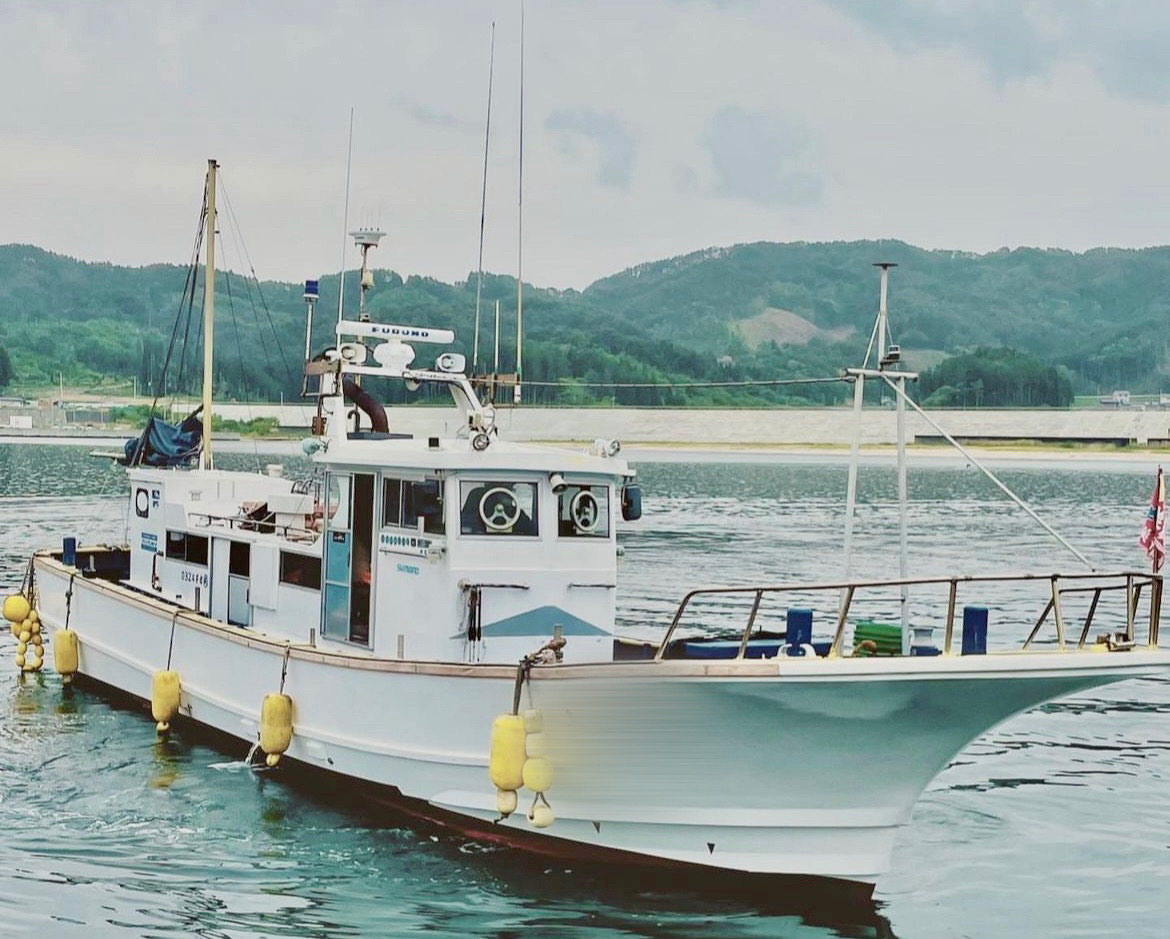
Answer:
(782, 766)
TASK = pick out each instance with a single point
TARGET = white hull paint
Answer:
(790, 766)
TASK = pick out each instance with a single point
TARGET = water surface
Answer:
(1055, 823)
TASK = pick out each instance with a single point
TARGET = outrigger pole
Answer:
(205, 460)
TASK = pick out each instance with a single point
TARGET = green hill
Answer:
(748, 312)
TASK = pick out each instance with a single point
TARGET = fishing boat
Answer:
(431, 620)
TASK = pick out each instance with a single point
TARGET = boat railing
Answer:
(1060, 590)
(264, 525)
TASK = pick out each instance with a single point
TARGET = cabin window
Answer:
(405, 501)
(240, 558)
(338, 502)
(184, 547)
(583, 512)
(498, 508)
(300, 570)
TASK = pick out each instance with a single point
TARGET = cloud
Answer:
(998, 32)
(434, 118)
(760, 158)
(1124, 46)
(614, 142)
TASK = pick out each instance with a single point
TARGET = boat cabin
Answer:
(454, 549)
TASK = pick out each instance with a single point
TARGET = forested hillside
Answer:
(749, 312)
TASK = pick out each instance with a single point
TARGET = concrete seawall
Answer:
(789, 426)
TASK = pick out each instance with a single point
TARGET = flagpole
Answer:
(1154, 509)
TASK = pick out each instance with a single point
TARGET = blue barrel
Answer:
(974, 630)
(69, 552)
(799, 629)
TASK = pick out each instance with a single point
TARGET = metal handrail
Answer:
(288, 532)
(1133, 583)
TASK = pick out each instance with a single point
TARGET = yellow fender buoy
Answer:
(506, 757)
(538, 774)
(164, 699)
(16, 608)
(275, 726)
(65, 656)
(536, 745)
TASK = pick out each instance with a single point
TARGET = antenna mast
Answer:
(366, 238)
(345, 222)
(520, 232)
(312, 293)
(205, 461)
(483, 198)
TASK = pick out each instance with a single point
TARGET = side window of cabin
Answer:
(405, 501)
(498, 508)
(337, 503)
(300, 570)
(583, 512)
(184, 547)
(240, 558)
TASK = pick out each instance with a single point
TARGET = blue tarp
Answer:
(163, 444)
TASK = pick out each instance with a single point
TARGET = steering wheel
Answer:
(498, 509)
(585, 510)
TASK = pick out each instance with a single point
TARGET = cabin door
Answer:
(349, 533)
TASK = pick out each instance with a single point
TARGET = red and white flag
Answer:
(1153, 538)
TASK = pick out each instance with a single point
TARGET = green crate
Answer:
(886, 636)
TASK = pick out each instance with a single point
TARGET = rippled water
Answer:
(1055, 823)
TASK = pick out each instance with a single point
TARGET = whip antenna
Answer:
(345, 223)
(520, 231)
(483, 197)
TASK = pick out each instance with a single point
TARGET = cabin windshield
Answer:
(583, 512)
(498, 508)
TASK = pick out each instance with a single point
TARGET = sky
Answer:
(652, 128)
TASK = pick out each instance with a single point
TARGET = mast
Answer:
(205, 460)
(496, 362)
(886, 357)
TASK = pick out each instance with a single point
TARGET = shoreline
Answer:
(684, 451)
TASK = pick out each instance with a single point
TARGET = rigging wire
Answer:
(760, 382)
(256, 280)
(188, 298)
(227, 278)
